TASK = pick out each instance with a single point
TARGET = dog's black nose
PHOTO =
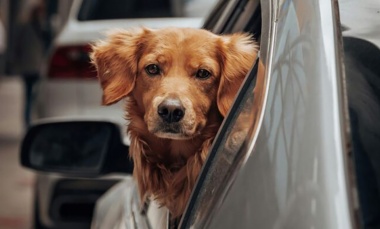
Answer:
(171, 110)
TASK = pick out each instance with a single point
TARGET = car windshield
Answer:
(124, 9)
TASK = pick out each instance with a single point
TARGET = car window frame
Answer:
(226, 10)
(233, 114)
(216, 14)
(223, 132)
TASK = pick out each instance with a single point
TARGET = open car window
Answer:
(230, 146)
(226, 154)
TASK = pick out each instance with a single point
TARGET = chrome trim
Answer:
(224, 17)
(344, 116)
(265, 78)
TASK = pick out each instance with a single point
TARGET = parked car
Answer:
(70, 89)
(69, 86)
(310, 156)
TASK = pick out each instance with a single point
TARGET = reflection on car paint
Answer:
(294, 177)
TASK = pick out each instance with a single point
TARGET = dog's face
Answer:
(177, 82)
(176, 76)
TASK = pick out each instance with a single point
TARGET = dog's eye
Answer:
(152, 69)
(203, 74)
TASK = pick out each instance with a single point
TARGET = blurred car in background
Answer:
(69, 86)
(69, 89)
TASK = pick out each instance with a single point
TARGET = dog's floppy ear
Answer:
(238, 52)
(116, 59)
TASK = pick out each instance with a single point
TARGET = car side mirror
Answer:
(76, 148)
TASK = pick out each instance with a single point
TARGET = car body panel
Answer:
(67, 98)
(293, 173)
(44, 194)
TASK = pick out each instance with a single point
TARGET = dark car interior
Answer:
(362, 60)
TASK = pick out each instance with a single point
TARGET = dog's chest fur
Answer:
(166, 168)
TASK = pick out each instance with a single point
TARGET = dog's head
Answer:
(175, 75)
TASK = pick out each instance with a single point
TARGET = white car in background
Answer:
(69, 86)
(69, 89)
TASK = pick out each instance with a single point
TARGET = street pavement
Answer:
(16, 183)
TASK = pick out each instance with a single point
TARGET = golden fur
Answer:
(167, 164)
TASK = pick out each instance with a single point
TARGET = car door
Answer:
(280, 159)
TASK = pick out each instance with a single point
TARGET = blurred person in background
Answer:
(31, 40)
(3, 44)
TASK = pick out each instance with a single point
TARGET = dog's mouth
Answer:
(173, 131)
(173, 136)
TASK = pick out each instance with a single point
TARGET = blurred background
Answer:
(45, 73)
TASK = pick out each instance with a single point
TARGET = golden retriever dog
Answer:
(179, 84)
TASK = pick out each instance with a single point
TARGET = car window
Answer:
(216, 14)
(231, 16)
(224, 157)
(245, 16)
(237, 131)
(225, 16)
(123, 9)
